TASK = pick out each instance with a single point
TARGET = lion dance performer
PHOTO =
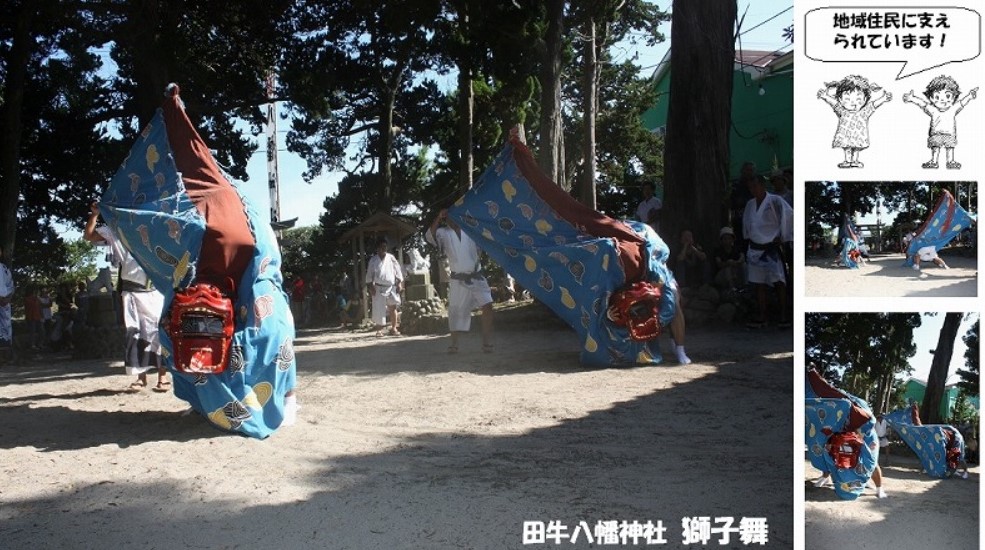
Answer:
(606, 278)
(227, 329)
(841, 438)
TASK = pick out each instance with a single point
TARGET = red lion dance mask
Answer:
(201, 329)
(637, 309)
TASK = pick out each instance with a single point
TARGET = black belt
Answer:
(467, 277)
(767, 246)
(134, 286)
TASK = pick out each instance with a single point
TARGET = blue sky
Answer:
(926, 336)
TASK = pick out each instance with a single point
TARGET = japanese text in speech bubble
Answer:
(919, 38)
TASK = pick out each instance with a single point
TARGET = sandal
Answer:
(929, 164)
(395, 332)
(162, 387)
(138, 386)
(452, 350)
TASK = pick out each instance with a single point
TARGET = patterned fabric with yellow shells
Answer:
(946, 222)
(147, 206)
(928, 442)
(574, 273)
(826, 416)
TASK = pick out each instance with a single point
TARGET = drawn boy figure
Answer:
(852, 100)
(943, 104)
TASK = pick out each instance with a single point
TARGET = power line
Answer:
(767, 21)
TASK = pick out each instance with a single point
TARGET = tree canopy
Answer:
(862, 352)
(367, 87)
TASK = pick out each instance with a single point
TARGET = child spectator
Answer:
(729, 261)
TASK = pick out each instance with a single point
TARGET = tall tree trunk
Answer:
(696, 153)
(18, 59)
(551, 145)
(590, 93)
(930, 409)
(386, 149)
(149, 21)
(386, 130)
(465, 101)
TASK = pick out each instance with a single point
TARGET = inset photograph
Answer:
(892, 415)
(891, 239)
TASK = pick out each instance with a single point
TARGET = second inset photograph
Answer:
(891, 430)
(891, 239)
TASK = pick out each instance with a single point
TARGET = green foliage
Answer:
(96, 72)
(855, 350)
(52, 260)
(970, 375)
(297, 248)
(963, 410)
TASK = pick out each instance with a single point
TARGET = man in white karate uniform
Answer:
(767, 223)
(468, 289)
(385, 280)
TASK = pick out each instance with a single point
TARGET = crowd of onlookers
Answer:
(53, 313)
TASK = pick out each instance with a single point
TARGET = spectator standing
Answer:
(34, 318)
(648, 210)
(6, 296)
(47, 317)
(297, 300)
(767, 223)
(384, 279)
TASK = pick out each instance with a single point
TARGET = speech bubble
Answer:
(919, 38)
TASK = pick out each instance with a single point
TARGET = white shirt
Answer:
(385, 272)
(927, 253)
(881, 427)
(773, 218)
(462, 252)
(643, 210)
(130, 270)
(6, 281)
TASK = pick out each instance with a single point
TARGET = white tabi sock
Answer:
(682, 357)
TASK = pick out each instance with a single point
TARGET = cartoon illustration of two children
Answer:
(854, 99)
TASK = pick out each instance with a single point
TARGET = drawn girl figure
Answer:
(851, 99)
(943, 107)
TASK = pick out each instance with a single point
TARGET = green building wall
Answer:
(762, 125)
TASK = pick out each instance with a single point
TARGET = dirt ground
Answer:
(920, 512)
(885, 276)
(400, 445)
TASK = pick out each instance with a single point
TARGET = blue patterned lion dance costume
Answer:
(567, 255)
(185, 223)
